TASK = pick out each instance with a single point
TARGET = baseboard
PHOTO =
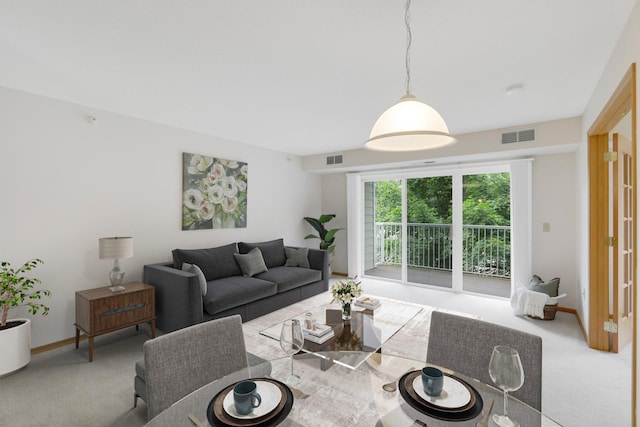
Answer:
(575, 313)
(57, 344)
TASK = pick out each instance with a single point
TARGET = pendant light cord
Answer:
(407, 60)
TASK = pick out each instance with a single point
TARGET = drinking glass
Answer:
(291, 341)
(505, 369)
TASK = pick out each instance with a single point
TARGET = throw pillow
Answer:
(297, 257)
(192, 268)
(550, 287)
(272, 251)
(251, 263)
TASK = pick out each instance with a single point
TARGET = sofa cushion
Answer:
(289, 278)
(297, 257)
(272, 251)
(215, 263)
(234, 291)
(192, 268)
(251, 263)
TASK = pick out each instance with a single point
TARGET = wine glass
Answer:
(291, 341)
(505, 369)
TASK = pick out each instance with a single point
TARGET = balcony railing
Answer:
(486, 248)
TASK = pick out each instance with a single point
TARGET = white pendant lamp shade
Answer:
(409, 125)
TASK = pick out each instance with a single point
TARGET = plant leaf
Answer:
(326, 218)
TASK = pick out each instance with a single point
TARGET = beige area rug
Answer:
(410, 341)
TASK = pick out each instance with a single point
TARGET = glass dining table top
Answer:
(356, 339)
(341, 396)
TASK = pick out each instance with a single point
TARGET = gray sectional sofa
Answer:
(249, 279)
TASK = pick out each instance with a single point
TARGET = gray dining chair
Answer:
(180, 362)
(464, 345)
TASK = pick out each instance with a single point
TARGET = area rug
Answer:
(410, 341)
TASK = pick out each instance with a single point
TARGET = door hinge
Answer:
(610, 156)
(611, 326)
(611, 241)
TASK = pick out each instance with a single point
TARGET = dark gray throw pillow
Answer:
(550, 287)
(297, 257)
(272, 251)
(251, 263)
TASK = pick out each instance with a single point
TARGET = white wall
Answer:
(64, 183)
(554, 252)
(334, 196)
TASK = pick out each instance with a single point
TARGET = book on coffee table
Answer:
(319, 340)
(318, 331)
(368, 302)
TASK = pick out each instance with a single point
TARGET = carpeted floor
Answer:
(60, 387)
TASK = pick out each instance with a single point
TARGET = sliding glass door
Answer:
(486, 234)
(383, 246)
(429, 228)
(443, 230)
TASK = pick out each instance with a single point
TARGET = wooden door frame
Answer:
(622, 101)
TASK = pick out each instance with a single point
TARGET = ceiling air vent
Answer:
(519, 136)
(334, 160)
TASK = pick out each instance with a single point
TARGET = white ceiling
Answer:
(310, 76)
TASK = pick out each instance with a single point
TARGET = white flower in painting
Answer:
(216, 194)
(217, 172)
(206, 211)
(242, 186)
(228, 184)
(193, 198)
(229, 204)
(199, 164)
(205, 185)
(229, 163)
(244, 169)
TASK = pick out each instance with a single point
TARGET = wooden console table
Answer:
(100, 311)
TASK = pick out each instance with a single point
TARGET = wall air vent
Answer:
(334, 160)
(519, 136)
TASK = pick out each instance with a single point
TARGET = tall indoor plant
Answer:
(16, 290)
(327, 237)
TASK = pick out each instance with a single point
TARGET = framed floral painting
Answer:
(214, 193)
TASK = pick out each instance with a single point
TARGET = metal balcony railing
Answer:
(486, 248)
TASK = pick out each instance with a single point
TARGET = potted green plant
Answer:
(16, 290)
(327, 237)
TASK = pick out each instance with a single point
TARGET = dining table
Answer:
(378, 393)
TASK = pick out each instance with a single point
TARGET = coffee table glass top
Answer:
(356, 339)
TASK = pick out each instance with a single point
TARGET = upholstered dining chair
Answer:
(182, 361)
(465, 345)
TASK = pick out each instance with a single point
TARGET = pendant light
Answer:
(409, 125)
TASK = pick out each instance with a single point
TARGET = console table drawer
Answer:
(121, 310)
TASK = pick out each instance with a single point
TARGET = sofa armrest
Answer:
(178, 296)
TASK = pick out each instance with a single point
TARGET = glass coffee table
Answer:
(354, 340)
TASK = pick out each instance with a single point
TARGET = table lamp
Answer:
(115, 248)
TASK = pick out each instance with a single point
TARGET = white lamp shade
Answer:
(409, 125)
(115, 247)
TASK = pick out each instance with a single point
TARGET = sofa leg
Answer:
(135, 399)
